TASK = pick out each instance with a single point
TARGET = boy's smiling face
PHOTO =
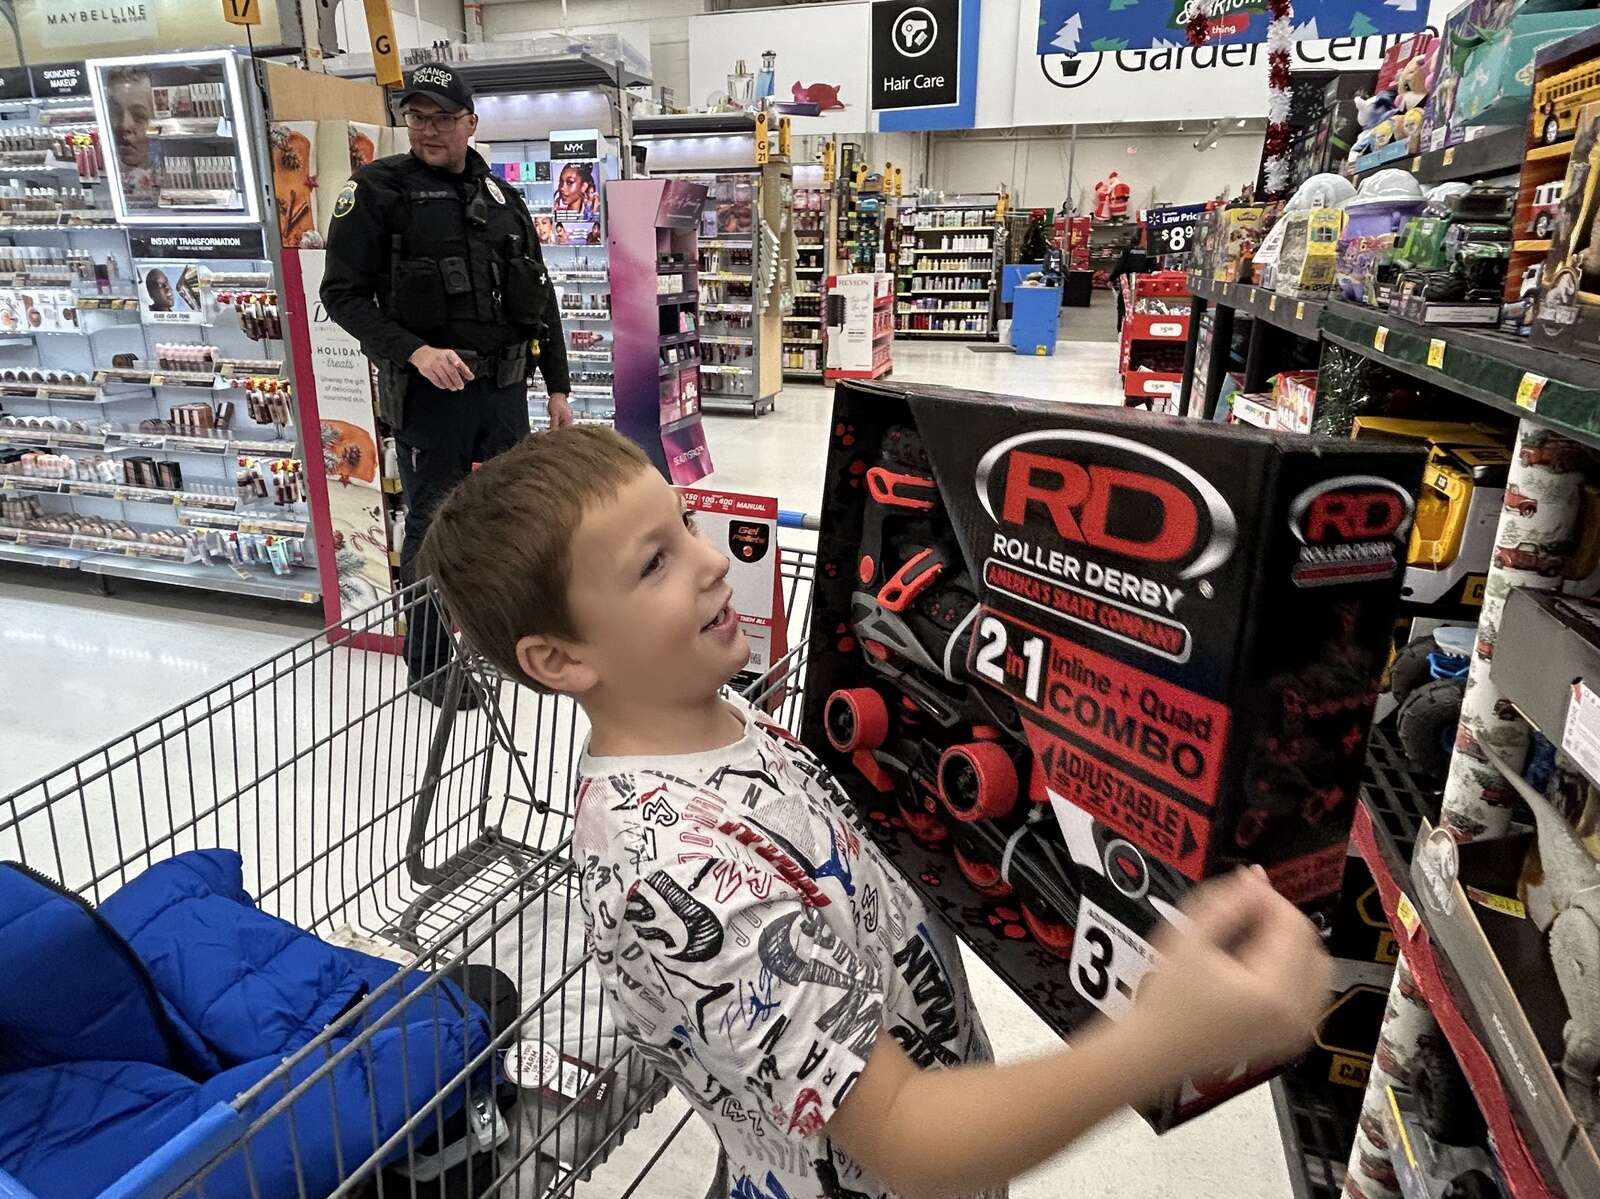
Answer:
(651, 602)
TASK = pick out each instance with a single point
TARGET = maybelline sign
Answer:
(72, 23)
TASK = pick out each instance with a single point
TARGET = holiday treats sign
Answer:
(1088, 26)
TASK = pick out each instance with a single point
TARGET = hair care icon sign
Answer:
(916, 53)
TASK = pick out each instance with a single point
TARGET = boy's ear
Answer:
(554, 665)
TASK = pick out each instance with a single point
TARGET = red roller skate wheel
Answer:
(856, 719)
(984, 876)
(978, 781)
(1054, 936)
(925, 827)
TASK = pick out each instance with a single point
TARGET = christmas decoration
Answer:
(1280, 42)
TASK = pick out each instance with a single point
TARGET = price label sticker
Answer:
(1272, 306)
(1380, 339)
(1406, 914)
(1449, 156)
(1416, 164)
(1300, 311)
(1529, 390)
(307, 597)
(1436, 354)
(157, 380)
(1108, 960)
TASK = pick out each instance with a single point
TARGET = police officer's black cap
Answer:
(439, 84)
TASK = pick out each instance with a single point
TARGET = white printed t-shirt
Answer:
(752, 941)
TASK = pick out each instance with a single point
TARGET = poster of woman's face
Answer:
(170, 293)
(578, 190)
(544, 227)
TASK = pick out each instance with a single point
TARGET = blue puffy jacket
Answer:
(122, 1027)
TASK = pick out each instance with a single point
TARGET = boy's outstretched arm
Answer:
(1245, 982)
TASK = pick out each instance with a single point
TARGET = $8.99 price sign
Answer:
(1172, 230)
(1109, 960)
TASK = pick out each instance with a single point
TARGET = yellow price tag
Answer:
(1416, 164)
(1436, 354)
(1407, 916)
(1529, 391)
(241, 12)
(1273, 306)
(1380, 339)
(1449, 156)
(1300, 311)
(1500, 903)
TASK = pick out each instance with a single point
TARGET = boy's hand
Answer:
(1245, 982)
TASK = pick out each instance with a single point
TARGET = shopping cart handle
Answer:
(798, 520)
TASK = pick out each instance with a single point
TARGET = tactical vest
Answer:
(460, 261)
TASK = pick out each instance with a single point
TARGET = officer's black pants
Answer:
(444, 434)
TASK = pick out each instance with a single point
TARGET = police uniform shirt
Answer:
(418, 256)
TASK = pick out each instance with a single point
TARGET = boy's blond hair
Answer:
(500, 545)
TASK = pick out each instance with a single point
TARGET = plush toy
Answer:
(1414, 82)
(1372, 109)
(1383, 133)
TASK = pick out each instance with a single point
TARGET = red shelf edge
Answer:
(1516, 1162)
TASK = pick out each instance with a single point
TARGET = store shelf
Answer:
(810, 270)
(588, 355)
(243, 523)
(1303, 318)
(946, 271)
(1498, 153)
(725, 277)
(1317, 1126)
(584, 314)
(794, 372)
(1547, 153)
(920, 229)
(949, 291)
(677, 339)
(116, 492)
(979, 250)
(724, 339)
(1442, 991)
(299, 586)
(725, 242)
(1492, 368)
(969, 334)
(810, 320)
(802, 341)
(725, 307)
(681, 297)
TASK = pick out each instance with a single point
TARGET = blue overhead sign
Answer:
(1088, 26)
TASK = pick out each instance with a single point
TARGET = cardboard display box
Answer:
(1167, 634)
(1567, 316)
(1508, 990)
(1551, 665)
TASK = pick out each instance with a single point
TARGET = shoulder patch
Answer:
(346, 199)
(494, 190)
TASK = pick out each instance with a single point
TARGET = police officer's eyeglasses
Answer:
(439, 122)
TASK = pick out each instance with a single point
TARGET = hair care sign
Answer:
(745, 528)
(1085, 26)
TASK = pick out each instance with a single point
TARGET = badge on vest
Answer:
(494, 190)
(346, 199)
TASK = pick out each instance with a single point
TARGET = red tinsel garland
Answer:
(1201, 28)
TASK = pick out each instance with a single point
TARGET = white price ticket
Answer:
(1108, 960)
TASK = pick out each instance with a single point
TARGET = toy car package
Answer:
(1068, 660)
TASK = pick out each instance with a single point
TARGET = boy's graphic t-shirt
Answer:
(752, 942)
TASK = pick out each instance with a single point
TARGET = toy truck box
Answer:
(1069, 660)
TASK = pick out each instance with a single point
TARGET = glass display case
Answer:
(181, 150)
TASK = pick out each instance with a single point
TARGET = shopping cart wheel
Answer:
(978, 781)
(856, 718)
(1055, 936)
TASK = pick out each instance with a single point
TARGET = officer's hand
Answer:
(443, 368)
(560, 411)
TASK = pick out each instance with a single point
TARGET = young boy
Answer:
(753, 943)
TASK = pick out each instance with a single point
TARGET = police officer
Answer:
(434, 266)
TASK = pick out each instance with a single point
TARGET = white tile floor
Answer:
(79, 668)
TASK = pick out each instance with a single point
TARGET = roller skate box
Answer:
(1070, 660)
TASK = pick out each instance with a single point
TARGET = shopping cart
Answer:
(436, 837)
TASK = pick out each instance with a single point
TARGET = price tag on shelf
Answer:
(307, 597)
(1416, 164)
(1529, 390)
(1300, 311)
(1436, 354)
(1406, 914)
(99, 377)
(1380, 339)
(157, 380)
(1449, 156)
(1272, 305)
(119, 493)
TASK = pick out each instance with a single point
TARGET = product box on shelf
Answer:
(1483, 918)
(1566, 317)
(1308, 260)
(1424, 1167)
(1238, 233)
(1497, 80)
(1294, 394)
(1102, 655)
(1550, 667)
(1364, 953)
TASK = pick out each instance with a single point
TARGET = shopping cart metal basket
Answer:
(437, 837)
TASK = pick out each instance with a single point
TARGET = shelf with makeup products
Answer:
(148, 420)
